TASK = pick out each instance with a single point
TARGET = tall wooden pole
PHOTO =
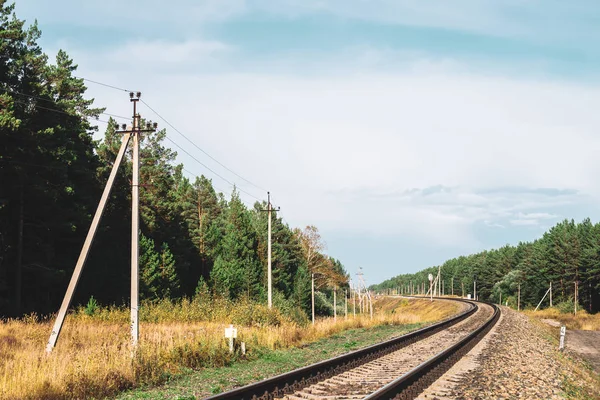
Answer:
(550, 294)
(354, 303)
(334, 304)
(345, 304)
(519, 299)
(313, 299)
(576, 296)
(270, 278)
(269, 210)
(62, 312)
(135, 227)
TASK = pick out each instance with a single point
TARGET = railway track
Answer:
(399, 368)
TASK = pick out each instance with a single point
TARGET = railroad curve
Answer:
(399, 368)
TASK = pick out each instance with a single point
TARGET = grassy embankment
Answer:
(93, 358)
(580, 381)
(581, 321)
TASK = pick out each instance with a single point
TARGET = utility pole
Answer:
(360, 297)
(519, 298)
(439, 280)
(135, 226)
(62, 312)
(362, 285)
(334, 304)
(313, 298)
(452, 284)
(135, 133)
(576, 295)
(269, 273)
(550, 294)
(345, 304)
(354, 303)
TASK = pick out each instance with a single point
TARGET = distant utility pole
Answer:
(367, 296)
(576, 295)
(334, 303)
(345, 304)
(313, 298)
(519, 298)
(62, 312)
(270, 276)
(360, 297)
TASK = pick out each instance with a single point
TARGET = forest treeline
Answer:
(52, 174)
(567, 254)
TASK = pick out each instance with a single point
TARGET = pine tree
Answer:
(158, 276)
(236, 270)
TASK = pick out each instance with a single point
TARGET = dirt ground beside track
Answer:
(586, 344)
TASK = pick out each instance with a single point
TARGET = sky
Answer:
(408, 131)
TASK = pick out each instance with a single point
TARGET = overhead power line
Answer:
(54, 102)
(211, 170)
(60, 111)
(216, 188)
(199, 148)
(189, 140)
(104, 84)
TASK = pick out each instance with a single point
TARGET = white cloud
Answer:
(343, 151)
(171, 53)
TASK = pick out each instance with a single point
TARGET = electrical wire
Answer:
(199, 148)
(60, 111)
(189, 140)
(46, 108)
(104, 84)
(217, 189)
(208, 168)
(53, 102)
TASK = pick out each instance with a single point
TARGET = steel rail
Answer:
(412, 383)
(289, 382)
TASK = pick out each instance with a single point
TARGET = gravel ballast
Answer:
(518, 361)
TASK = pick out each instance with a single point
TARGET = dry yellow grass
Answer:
(582, 321)
(93, 357)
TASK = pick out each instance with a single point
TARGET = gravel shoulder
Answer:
(520, 360)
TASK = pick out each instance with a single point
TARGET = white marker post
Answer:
(563, 331)
(230, 333)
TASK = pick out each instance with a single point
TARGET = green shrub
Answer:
(567, 306)
(91, 306)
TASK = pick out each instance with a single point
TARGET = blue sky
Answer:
(407, 131)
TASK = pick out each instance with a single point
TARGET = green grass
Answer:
(200, 384)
